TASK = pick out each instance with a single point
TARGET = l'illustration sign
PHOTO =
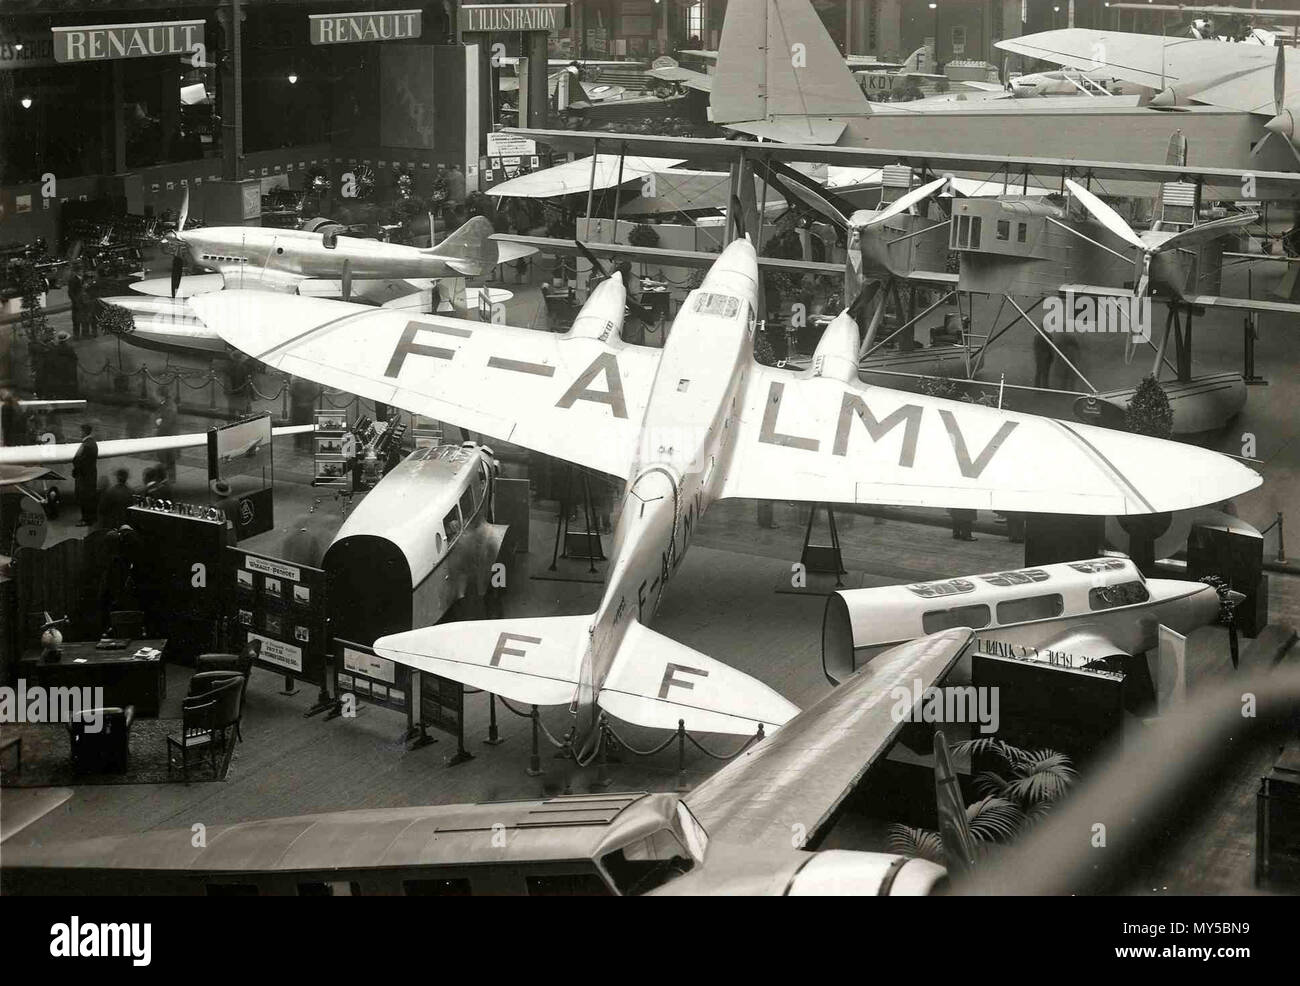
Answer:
(377, 25)
(486, 18)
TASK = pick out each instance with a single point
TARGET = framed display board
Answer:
(283, 605)
(240, 454)
(330, 439)
(357, 669)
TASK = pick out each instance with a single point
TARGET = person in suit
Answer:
(115, 502)
(166, 423)
(85, 474)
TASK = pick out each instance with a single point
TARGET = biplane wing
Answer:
(49, 455)
(813, 438)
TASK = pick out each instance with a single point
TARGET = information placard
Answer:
(359, 670)
(283, 605)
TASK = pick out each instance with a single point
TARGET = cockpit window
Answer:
(1124, 594)
(647, 863)
(451, 523)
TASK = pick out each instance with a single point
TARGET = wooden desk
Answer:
(125, 678)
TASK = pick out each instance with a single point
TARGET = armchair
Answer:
(103, 750)
(241, 662)
(205, 725)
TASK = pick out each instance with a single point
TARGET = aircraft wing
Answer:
(813, 438)
(228, 278)
(18, 475)
(675, 73)
(792, 783)
(1245, 304)
(48, 455)
(576, 398)
(1236, 76)
(576, 176)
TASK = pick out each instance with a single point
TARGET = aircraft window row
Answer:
(933, 590)
(1004, 230)
(717, 304)
(1124, 594)
(1098, 565)
(568, 885)
(437, 888)
(1022, 577)
(222, 259)
(966, 233)
(1030, 608)
(976, 617)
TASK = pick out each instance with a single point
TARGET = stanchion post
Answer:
(681, 754)
(603, 779)
(1281, 539)
(535, 760)
(493, 736)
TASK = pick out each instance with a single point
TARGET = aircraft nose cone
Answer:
(1283, 123)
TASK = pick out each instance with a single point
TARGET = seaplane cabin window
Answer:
(1031, 608)
(467, 505)
(1123, 594)
(1021, 231)
(975, 617)
(451, 524)
(975, 223)
(1004, 229)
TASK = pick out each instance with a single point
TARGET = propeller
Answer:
(1282, 125)
(178, 271)
(738, 214)
(1156, 242)
(1229, 600)
(592, 258)
(954, 827)
(185, 211)
(905, 202)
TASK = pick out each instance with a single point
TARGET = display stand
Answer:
(825, 559)
(577, 545)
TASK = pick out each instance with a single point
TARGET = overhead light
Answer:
(933, 6)
(293, 78)
(18, 46)
(27, 102)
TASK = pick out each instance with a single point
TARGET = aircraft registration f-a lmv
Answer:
(685, 425)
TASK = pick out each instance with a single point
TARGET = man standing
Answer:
(85, 474)
(115, 502)
(166, 424)
(78, 293)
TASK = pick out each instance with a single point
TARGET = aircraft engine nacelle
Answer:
(836, 356)
(846, 873)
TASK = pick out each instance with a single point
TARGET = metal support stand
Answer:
(290, 686)
(323, 704)
(535, 759)
(812, 555)
(493, 737)
(681, 755)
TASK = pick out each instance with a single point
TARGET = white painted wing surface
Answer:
(576, 176)
(1236, 76)
(815, 439)
(47, 455)
(576, 398)
(656, 681)
(803, 773)
(535, 660)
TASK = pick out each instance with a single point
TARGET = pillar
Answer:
(231, 19)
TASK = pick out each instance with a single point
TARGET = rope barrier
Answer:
(731, 756)
(633, 750)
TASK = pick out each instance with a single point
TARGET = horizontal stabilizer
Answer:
(534, 660)
(656, 681)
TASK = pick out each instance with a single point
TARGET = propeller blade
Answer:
(592, 258)
(1206, 231)
(347, 279)
(178, 271)
(1279, 80)
(906, 202)
(954, 828)
(738, 215)
(1104, 214)
(185, 211)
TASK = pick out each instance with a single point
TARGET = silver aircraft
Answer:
(696, 421)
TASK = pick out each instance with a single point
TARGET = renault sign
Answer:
(102, 42)
(374, 25)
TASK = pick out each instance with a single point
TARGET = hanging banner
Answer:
(104, 42)
(486, 18)
(376, 25)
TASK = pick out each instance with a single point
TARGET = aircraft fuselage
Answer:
(304, 254)
(685, 443)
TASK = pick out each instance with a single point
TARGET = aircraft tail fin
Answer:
(656, 681)
(954, 827)
(778, 67)
(469, 249)
(534, 660)
(917, 61)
